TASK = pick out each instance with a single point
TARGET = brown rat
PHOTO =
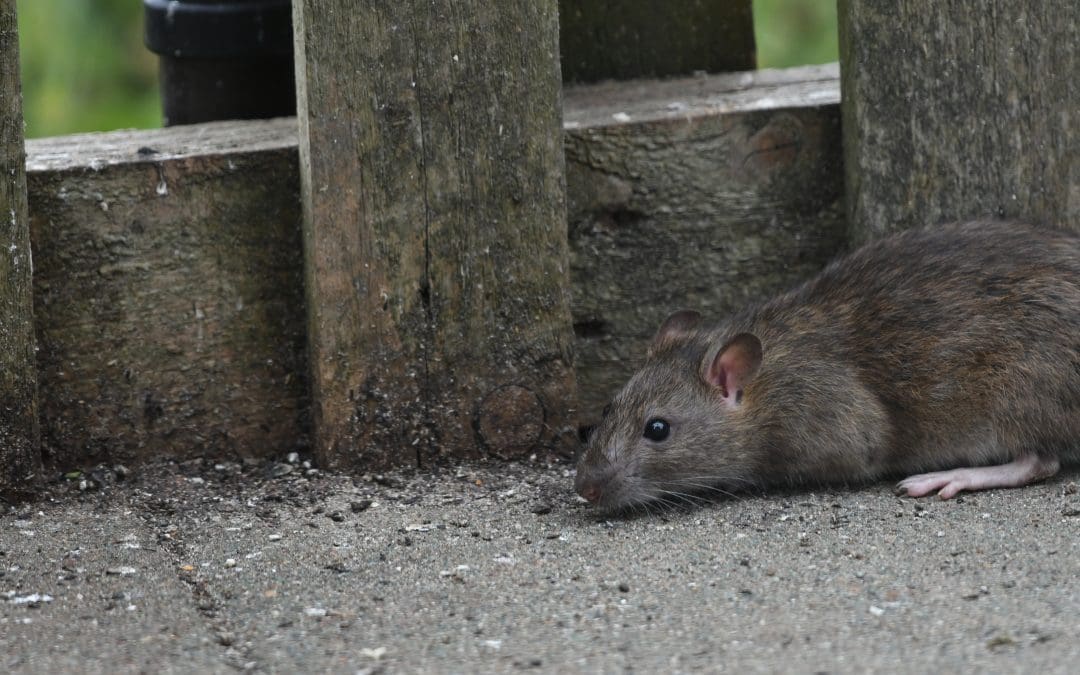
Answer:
(954, 350)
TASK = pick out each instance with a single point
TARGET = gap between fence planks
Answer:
(602, 40)
(703, 193)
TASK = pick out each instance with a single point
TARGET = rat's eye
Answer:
(605, 411)
(657, 429)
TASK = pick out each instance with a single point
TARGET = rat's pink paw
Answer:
(1021, 471)
(946, 483)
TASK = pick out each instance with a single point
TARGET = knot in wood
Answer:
(510, 421)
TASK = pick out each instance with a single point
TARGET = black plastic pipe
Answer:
(222, 59)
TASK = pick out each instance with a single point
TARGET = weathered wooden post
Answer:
(952, 111)
(434, 229)
(20, 458)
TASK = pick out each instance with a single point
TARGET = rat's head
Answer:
(675, 429)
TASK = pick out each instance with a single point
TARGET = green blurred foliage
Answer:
(84, 66)
(795, 32)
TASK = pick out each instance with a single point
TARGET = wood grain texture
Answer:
(435, 238)
(960, 111)
(168, 293)
(624, 39)
(20, 457)
(705, 193)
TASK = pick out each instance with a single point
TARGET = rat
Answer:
(950, 354)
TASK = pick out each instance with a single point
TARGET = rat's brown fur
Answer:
(936, 348)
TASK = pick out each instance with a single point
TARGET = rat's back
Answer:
(968, 335)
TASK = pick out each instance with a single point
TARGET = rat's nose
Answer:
(590, 491)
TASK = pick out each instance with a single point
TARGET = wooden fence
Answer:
(423, 264)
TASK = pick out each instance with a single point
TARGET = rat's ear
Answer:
(734, 366)
(676, 326)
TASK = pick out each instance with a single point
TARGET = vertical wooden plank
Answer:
(435, 236)
(20, 458)
(953, 111)
(623, 39)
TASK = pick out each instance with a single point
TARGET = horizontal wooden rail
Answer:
(168, 267)
(169, 292)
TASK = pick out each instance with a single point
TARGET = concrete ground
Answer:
(277, 568)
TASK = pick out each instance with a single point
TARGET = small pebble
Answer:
(32, 600)
(118, 571)
(230, 562)
(280, 470)
(293, 458)
(386, 481)
(361, 505)
(274, 537)
(624, 587)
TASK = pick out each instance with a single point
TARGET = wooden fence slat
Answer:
(953, 112)
(602, 39)
(435, 240)
(20, 457)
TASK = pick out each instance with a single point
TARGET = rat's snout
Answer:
(590, 484)
(590, 491)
